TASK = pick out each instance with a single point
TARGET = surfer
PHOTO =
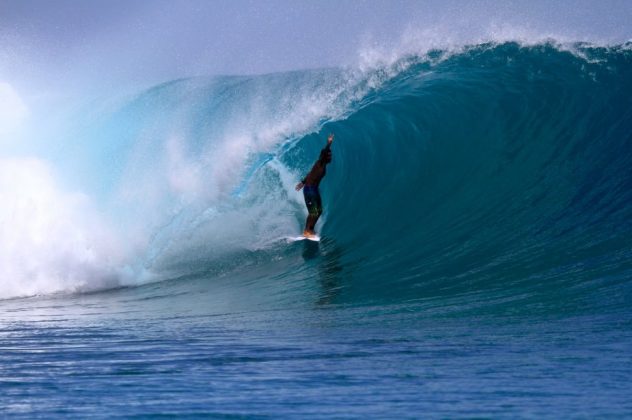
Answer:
(310, 188)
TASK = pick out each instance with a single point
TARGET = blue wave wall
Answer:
(502, 170)
(497, 174)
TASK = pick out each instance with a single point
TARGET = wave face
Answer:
(502, 171)
(498, 174)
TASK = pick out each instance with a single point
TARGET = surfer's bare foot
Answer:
(308, 234)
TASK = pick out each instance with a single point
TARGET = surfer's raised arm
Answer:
(323, 160)
(330, 139)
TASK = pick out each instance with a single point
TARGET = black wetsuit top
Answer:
(318, 171)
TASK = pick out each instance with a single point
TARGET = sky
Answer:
(50, 47)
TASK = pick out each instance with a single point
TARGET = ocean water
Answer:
(476, 253)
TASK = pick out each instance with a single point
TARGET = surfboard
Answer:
(303, 238)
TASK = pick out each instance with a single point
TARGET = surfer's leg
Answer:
(310, 223)
(314, 208)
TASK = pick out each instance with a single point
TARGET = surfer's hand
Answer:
(330, 139)
(299, 186)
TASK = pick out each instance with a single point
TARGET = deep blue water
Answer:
(476, 257)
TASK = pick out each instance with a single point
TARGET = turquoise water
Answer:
(475, 256)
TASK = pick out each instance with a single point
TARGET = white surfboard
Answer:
(314, 238)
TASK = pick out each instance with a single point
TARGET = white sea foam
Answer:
(50, 240)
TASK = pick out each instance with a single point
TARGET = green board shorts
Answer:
(312, 200)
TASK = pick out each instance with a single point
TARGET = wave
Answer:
(499, 170)
(502, 167)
